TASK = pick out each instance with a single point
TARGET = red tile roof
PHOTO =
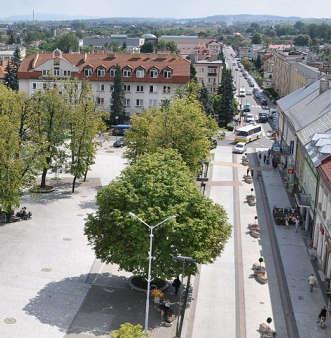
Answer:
(179, 65)
(2, 73)
(325, 170)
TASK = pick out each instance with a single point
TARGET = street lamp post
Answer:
(151, 228)
(182, 307)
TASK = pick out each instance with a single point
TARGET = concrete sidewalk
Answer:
(296, 262)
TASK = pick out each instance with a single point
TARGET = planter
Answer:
(39, 190)
(244, 162)
(248, 179)
(258, 267)
(250, 200)
(139, 283)
(253, 226)
(261, 276)
(254, 233)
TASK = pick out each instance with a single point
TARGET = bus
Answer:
(119, 129)
(248, 133)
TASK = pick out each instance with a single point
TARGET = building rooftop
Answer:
(325, 169)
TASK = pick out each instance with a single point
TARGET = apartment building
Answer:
(209, 73)
(289, 73)
(149, 79)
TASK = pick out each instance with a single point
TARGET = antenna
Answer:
(33, 15)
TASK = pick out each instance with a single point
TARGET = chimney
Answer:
(324, 85)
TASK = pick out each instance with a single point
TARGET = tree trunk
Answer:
(85, 175)
(73, 184)
(43, 178)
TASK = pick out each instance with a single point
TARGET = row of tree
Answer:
(164, 147)
(48, 131)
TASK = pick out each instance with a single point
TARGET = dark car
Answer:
(263, 117)
(119, 143)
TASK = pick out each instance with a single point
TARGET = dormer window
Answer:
(140, 72)
(56, 71)
(88, 72)
(112, 72)
(154, 73)
(127, 72)
(167, 73)
(101, 72)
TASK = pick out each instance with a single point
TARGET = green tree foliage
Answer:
(50, 127)
(181, 125)
(302, 40)
(154, 187)
(258, 63)
(10, 165)
(205, 100)
(227, 106)
(84, 123)
(193, 73)
(11, 80)
(256, 39)
(147, 47)
(67, 42)
(167, 45)
(128, 330)
(117, 104)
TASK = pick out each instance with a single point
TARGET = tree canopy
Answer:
(128, 330)
(156, 186)
(181, 125)
(117, 103)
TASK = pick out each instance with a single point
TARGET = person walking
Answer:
(322, 316)
(247, 171)
(264, 158)
(312, 281)
(176, 284)
(252, 172)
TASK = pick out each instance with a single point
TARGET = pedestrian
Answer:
(247, 171)
(296, 223)
(176, 284)
(312, 282)
(260, 156)
(286, 221)
(269, 152)
(322, 316)
(252, 172)
(264, 158)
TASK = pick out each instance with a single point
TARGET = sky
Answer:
(169, 8)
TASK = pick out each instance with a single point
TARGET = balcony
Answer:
(212, 74)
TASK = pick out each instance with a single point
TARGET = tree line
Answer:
(53, 130)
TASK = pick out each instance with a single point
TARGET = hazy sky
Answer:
(168, 8)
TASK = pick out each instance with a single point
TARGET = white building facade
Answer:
(148, 79)
(209, 73)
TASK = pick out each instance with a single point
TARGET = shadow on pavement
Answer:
(108, 303)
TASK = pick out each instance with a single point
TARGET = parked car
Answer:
(119, 143)
(250, 118)
(263, 117)
(239, 148)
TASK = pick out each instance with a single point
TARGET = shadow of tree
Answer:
(108, 302)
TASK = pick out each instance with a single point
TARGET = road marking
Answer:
(239, 273)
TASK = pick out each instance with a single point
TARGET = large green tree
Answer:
(117, 104)
(50, 122)
(11, 80)
(84, 123)
(154, 187)
(10, 165)
(227, 106)
(181, 125)
(205, 100)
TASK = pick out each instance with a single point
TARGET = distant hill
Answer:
(215, 19)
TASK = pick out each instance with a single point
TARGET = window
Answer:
(45, 72)
(102, 87)
(154, 73)
(127, 103)
(112, 72)
(87, 72)
(44, 85)
(111, 88)
(100, 101)
(126, 88)
(56, 62)
(140, 72)
(34, 85)
(139, 103)
(152, 89)
(166, 89)
(140, 89)
(126, 72)
(66, 72)
(56, 71)
(101, 72)
(167, 73)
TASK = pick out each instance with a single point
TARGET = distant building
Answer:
(209, 73)
(121, 40)
(7, 52)
(149, 79)
(289, 72)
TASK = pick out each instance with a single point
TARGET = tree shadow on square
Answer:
(108, 302)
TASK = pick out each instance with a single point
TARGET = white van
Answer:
(242, 92)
